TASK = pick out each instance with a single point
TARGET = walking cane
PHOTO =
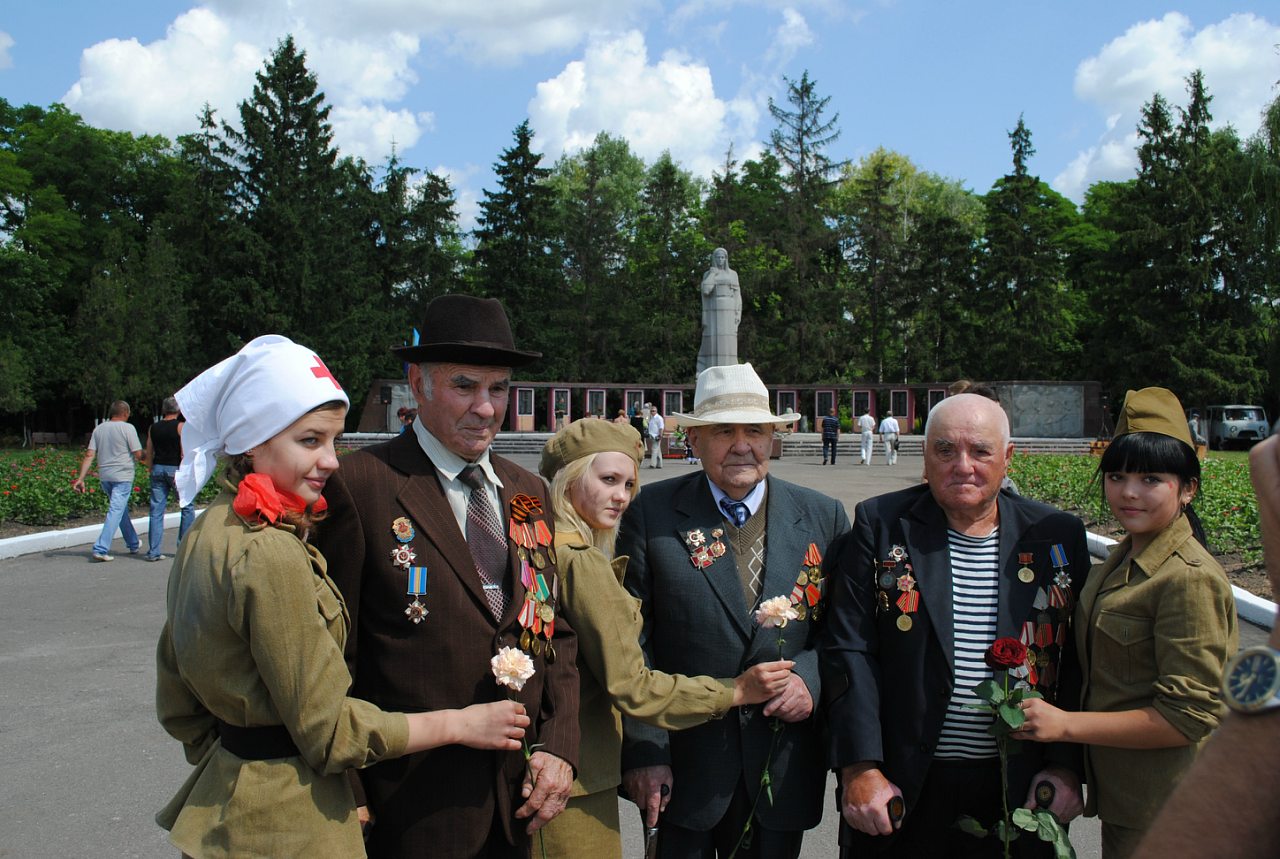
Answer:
(897, 809)
(651, 832)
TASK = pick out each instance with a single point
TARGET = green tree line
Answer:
(131, 262)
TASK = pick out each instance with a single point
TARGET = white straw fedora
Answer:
(732, 394)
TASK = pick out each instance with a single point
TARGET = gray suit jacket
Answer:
(696, 621)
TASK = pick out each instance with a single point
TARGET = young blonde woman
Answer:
(1154, 628)
(593, 468)
(250, 674)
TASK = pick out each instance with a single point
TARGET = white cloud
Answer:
(6, 42)
(369, 131)
(669, 105)
(463, 182)
(361, 53)
(1240, 65)
(475, 29)
(789, 38)
(161, 87)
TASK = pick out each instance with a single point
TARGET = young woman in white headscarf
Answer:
(250, 672)
(593, 469)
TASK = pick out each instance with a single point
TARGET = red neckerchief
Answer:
(258, 496)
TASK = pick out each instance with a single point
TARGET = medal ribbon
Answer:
(1058, 555)
(417, 581)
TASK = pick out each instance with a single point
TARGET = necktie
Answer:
(484, 538)
(737, 511)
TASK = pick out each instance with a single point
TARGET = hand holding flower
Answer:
(499, 725)
(1043, 722)
(762, 682)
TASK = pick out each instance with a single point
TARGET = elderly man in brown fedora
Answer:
(443, 553)
(707, 550)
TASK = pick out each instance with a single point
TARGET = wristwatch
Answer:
(1252, 680)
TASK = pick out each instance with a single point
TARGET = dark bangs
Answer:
(1151, 452)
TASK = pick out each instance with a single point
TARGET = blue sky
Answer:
(449, 80)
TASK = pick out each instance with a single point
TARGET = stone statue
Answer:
(721, 313)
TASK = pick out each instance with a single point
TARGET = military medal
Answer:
(806, 596)
(1060, 591)
(403, 556)
(1026, 575)
(908, 601)
(402, 528)
(702, 554)
(417, 587)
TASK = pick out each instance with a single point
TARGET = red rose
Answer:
(1005, 653)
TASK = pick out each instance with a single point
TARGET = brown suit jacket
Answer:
(442, 802)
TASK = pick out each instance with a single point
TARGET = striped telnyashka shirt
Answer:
(975, 595)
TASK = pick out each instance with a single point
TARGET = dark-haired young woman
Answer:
(1155, 625)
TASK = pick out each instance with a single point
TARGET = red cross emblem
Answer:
(320, 371)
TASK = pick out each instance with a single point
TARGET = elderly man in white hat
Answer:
(709, 550)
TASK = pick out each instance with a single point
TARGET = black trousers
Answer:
(951, 789)
(829, 444)
(676, 842)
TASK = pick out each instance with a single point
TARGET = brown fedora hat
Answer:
(463, 329)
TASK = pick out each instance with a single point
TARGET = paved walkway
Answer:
(86, 764)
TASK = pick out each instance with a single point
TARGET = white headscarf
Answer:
(245, 400)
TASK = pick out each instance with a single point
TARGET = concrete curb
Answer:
(1249, 607)
(47, 541)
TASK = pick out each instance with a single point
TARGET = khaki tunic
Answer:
(254, 636)
(1154, 632)
(613, 675)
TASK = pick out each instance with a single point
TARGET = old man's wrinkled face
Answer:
(734, 456)
(966, 457)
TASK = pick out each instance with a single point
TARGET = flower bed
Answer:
(35, 488)
(1225, 503)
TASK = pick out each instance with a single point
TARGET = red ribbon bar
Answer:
(542, 533)
(813, 557)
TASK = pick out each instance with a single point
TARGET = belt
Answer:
(257, 744)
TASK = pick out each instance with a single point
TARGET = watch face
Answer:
(1254, 680)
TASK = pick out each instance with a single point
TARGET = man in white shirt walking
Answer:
(657, 426)
(889, 438)
(867, 426)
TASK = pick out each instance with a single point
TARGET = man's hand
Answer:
(1067, 802)
(645, 788)
(546, 789)
(864, 798)
(794, 704)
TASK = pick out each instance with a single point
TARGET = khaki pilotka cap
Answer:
(587, 436)
(1153, 410)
